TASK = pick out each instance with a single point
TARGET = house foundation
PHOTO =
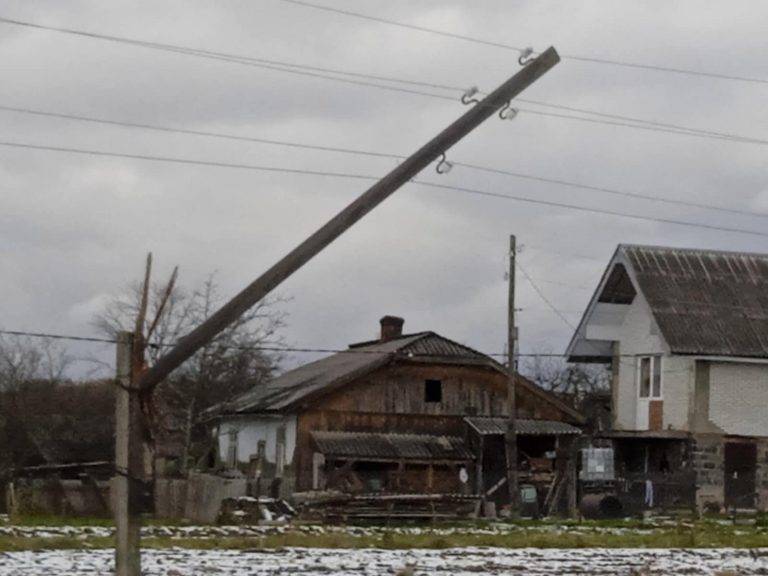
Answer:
(707, 463)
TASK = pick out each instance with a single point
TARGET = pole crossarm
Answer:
(376, 194)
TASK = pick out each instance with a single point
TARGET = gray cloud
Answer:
(73, 229)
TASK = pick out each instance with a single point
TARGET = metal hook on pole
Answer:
(507, 112)
(467, 97)
(443, 166)
(526, 56)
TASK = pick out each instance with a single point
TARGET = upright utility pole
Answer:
(511, 436)
(128, 461)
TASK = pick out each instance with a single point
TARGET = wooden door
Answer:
(740, 471)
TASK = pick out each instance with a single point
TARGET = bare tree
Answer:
(30, 373)
(244, 355)
(571, 381)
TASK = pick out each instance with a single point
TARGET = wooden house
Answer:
(407, 413)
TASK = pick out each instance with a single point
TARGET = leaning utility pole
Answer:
(350, 215)
(345, 219)
(511, 435)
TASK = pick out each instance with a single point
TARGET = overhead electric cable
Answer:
(475, 40)
(523, 199)
(520, 175)
(323, 73)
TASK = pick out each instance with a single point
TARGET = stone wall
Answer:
(708, 464)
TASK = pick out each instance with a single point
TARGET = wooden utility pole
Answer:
(345, 219)
(129, 449)
(511, 436)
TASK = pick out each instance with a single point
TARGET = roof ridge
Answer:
(459, 344)
(365, 343)
(623, 246)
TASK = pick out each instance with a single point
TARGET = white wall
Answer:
(738, 398)
(678, 381)
(252, 429)
(638, 334)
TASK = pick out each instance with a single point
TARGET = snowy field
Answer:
(370, 562)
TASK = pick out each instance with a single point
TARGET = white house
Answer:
(686, 334)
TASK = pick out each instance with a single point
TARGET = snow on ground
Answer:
(370, 562)
(254, 530)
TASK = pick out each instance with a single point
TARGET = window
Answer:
(649, 377)
(433, 391)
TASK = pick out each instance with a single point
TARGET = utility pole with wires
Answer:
(132, 429)
(497, 101)
(511, 435)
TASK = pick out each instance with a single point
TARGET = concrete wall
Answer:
(639, 335)
(197, 498)
(253, 429)
(678, 377)
(62, 498)
(738, 398)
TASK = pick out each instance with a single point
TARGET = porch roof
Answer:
(489, 426)
(392, 447)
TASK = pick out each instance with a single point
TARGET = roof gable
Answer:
(326, 375)
(705, 302)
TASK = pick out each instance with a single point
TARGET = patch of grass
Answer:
(49, 520)
(20, 544)
(632, 534)
(44, 520)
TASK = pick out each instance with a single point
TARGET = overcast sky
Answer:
(74, 229)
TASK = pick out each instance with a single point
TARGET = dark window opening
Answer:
(433, 391)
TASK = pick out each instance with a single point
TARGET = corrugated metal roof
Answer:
(704, 301)
(364, 445)
(295, 385)
(489, 426)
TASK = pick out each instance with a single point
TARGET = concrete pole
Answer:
(345, 219)
(128, 463)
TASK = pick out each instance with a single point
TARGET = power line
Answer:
(475, 40)
(613, 191)
(203, 133)
(544, 298)
(52, 336)
(275, 142)
(174, 160)
(323, 73)
(605, 212)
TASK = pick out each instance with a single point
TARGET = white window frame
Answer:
(654, 361)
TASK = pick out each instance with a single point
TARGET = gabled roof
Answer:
(705, 302)
(320, 376)
(307, 382)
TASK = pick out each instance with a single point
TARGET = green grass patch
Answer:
(698, 536)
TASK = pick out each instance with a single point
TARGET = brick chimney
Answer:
(391, 327)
